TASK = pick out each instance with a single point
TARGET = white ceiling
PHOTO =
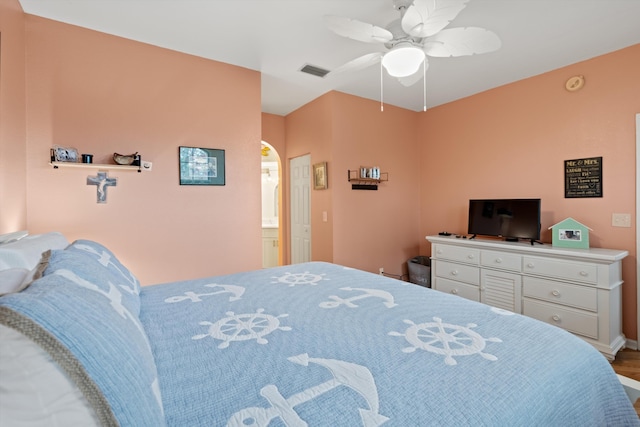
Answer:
(278, 37)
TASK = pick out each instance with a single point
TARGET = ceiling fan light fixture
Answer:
(403, 60)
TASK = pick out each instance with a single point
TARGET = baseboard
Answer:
(631, 344)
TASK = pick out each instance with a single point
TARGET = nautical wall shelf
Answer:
(360, 182)
(57, 165)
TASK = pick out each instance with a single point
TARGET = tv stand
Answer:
(579, 290)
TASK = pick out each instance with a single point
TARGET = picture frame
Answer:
(566, 234)
(320, 181)
(201, 166)
(64, 154)
(583, 178)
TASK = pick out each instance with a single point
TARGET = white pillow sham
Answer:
(27, 371)
(11, 280)
(26, 253)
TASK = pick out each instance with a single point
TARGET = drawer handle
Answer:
(555, 293)
(439, 252)
(556, 318)
(530, 265)
(470, 256)
(454, 291)
(584, 274)
(454, 272)
(498, 260)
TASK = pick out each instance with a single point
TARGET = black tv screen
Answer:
(509, 218)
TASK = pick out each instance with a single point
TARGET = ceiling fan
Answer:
(420, 32)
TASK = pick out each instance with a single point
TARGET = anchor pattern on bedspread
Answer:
(356, 377)
(113, 295)
(105, 259)
(445, 339)
(236, 293)
(337, 301)
(115, 300)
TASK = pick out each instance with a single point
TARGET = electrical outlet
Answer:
(621, 220)
(382, 271)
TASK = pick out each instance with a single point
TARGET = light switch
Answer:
(621, 220)
(324, 216)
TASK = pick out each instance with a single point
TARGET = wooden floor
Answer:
(627, 363)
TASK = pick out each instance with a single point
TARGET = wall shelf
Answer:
(358, 183)
(57, 165)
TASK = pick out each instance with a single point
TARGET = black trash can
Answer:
(420, 270)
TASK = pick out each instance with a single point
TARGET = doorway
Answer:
(300, 183)
(270, 184)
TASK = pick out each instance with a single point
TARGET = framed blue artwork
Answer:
(201, 166)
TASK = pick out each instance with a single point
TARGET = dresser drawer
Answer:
(576, 321)
(569, 270)
(456, 288)
(561, 293)
(458, 272)
(501, 260)
(457, 253)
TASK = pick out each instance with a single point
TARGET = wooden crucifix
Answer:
(102, 182)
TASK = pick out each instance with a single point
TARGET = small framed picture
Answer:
(64, 154)
(575, 235)
(201, 166)
(320, 176)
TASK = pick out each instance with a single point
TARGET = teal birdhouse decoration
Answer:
(569, 233)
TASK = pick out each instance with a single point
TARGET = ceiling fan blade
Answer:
(359, 63)
(414, 78)
(425, 18)
(461, 42)
(357, 30)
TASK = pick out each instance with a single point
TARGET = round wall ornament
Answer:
(574, 83)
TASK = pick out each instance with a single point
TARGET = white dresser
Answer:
(575, 289)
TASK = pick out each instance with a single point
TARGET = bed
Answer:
(315, 344)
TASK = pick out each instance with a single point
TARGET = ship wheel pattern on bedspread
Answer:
(437, 337)
(242, 327)
(306, 278)
(445, 339)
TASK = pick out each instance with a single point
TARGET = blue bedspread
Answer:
(323, 345)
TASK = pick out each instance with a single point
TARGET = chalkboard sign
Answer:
(583, 177)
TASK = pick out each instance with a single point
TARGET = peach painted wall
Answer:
(103, 94)
(13, 199)
(365, 229)
(309, 131)
(380, 228)
(512, 142)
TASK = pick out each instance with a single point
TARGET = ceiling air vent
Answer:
(315, 71)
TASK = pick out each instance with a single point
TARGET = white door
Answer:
(300, 179)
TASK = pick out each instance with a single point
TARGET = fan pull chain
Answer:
(381, 89)
(424, 81)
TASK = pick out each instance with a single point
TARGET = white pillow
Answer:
(11, 280)
(26, 253)
(34, 392)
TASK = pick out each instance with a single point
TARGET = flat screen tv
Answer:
(512, 219)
